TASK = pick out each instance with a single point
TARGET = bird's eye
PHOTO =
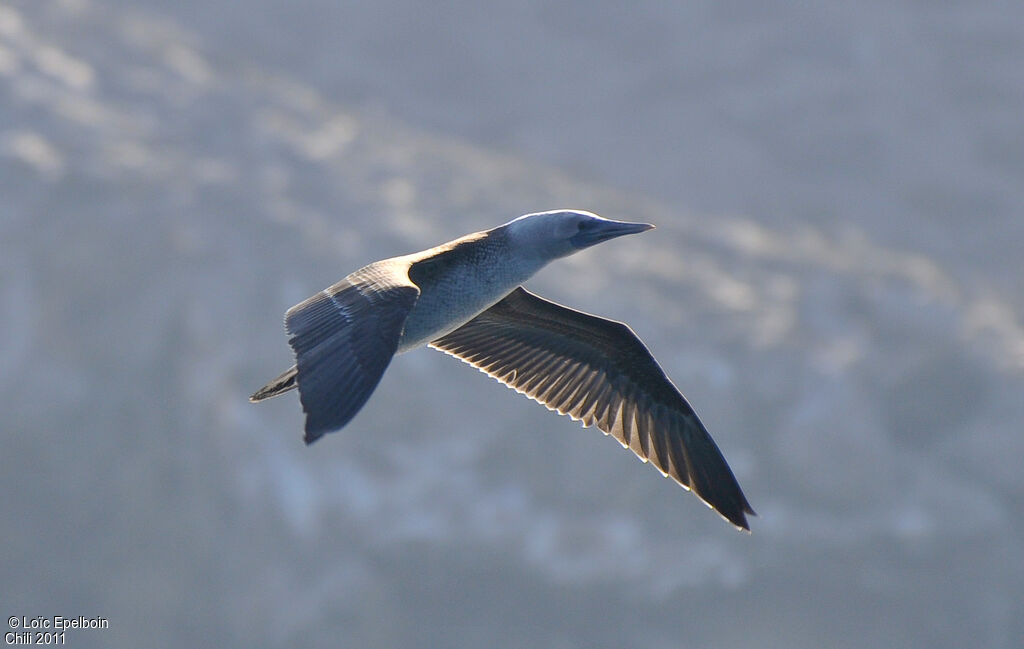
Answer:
(581, 226)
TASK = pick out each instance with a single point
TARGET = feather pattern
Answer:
(344, 338)
(598, 372)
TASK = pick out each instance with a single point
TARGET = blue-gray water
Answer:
(834, 283)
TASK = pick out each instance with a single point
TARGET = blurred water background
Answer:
(835, 283)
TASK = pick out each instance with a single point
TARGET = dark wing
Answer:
(344, 338)
(597, 371)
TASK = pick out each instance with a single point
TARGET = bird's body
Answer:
(465, 298)
(481, 260)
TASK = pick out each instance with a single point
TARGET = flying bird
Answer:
(465, 298)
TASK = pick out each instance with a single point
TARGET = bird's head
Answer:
(562, 232)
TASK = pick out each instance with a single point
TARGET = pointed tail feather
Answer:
(280, 385)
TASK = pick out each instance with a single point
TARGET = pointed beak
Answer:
(597, 231)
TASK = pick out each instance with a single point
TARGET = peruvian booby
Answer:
(465, 298)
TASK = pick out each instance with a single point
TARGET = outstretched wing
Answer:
(597, 371)
(343, 338)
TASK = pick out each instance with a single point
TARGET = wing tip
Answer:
(739, 519)
(313, 435)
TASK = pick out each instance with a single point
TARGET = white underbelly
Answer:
(463, 293)
(458, 283)
(445, 309)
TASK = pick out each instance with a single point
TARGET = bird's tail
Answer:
(280, 385)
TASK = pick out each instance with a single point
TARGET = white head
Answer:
(558, 233)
